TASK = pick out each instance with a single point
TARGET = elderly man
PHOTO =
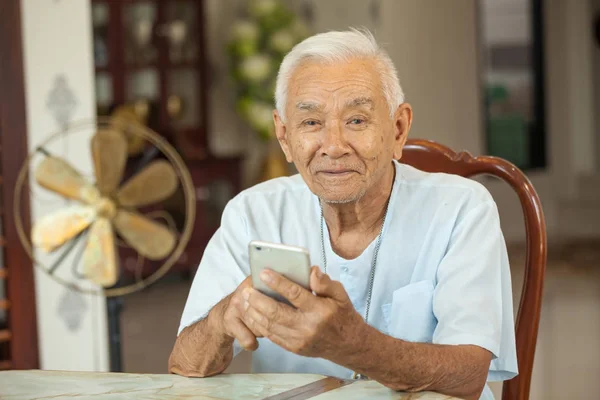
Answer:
(413, 289)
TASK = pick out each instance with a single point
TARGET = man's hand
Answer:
(232, 321)
(319, 326)
(205, 348)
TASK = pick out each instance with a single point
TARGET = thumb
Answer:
(324, 286)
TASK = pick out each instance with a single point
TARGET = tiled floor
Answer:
(568, 353)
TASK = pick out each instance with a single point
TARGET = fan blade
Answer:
(53, 230)
(57, 175)
(99, 255)
(149, 238)
(109, 150)
(154, 183)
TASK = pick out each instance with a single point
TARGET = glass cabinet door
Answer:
(182, 57)
(150, 52)
(183, 101)
(100, 17)
(142, 84)
(103, 78)
(104, 92)
(139, 19)
(180, 31)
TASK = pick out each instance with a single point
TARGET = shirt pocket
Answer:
(410, 314)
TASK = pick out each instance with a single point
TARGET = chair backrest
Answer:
(433, 157)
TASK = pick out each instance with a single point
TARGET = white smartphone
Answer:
(292, 262)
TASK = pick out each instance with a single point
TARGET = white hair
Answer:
(334, 46)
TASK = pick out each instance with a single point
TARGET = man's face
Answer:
(338, 129)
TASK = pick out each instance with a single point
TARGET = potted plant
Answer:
(259, 42)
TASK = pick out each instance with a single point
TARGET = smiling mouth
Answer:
(337, 172)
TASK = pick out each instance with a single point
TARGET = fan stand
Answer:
(114, 306)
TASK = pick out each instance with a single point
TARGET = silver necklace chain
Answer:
(373, 264)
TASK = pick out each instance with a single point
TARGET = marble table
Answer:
(55, 385)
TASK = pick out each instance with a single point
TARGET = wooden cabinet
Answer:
(150, 55)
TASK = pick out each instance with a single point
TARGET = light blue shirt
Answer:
(442, 272)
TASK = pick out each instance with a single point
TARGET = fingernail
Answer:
(319, 273)
(265, 276)
(246, 294)
(246, 305)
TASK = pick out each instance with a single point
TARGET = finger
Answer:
(294, 293)
(244, 336)
(237, 299)
(324, 286)
(236, 304)
(242, 320)
(260, 323)
(278, 334)
(234, 325)
(272, 309)
(282, 342)
(246, 283)
(252, 318)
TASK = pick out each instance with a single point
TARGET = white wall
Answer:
(57, 43)
(436, 58)
(578, 53)
(506, 21)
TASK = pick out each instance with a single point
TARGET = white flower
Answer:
(260, 116)
(256, 68)
(245, 30)
(261, 8)
(282, 41)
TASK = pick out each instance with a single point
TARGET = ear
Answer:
(281, 134)
(402, 122)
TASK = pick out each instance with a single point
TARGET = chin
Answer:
(341, 198)
(336, 190)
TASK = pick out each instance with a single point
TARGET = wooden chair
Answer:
(433, 157)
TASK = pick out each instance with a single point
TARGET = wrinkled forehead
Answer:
(352, 83)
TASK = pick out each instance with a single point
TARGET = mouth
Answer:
(336, 172)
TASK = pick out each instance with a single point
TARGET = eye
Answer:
(310, 122)
(357, 121)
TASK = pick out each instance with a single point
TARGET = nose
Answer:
(334, 143)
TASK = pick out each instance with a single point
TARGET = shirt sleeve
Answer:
(223, 267)
(472, 300)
